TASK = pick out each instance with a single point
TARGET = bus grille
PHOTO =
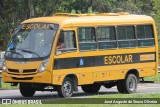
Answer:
(24, 71)
(28, 78)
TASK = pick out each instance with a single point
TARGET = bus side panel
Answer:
(83, 77)
(89, 75)
(116, 75)
(148, 69)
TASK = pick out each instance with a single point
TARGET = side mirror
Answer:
(11, 46)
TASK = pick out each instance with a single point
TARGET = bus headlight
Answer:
(43, 65)
(4, 65)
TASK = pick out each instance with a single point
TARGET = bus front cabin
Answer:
(67, 51)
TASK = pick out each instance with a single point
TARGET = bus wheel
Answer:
(120, 86)
(26, 90)
(66, 89)
(128, 85)
(91, 88)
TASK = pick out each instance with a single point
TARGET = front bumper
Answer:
(43, 77)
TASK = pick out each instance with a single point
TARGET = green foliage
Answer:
(13, 12)
(80, 105)
(155, 78)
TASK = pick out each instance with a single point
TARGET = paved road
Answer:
(142, 88)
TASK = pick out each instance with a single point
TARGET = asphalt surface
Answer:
(142, 88)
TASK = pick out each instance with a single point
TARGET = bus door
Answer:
(65, 51)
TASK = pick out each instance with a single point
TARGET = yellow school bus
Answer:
(64, 51)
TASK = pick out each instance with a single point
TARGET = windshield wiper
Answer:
(30, 52)
(13, 51)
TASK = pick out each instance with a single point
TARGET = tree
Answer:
(13, 12)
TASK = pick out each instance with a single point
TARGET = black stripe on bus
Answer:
(105, 60)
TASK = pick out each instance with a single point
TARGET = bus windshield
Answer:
(32, 41)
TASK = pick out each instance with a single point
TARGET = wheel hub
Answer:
(67, 87)
(132, 84)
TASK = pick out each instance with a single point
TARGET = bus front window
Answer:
(32, 41)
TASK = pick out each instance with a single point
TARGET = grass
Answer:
(8, 86)
(84, 105)
(155, 78)
(97, 105)
(101, 98)
(135, 95)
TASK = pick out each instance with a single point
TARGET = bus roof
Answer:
(70, 20)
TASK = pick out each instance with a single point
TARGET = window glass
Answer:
(145, 35)
(87, 35)
(66, 42)
(140, 32)
(32, 41)
(145, 43)
(121, 31)
(106, 37)
(106, 33)
(87, 38)
(149, 31)
(144, 31)
(126, 36)
(127, 44)
(125, 32)
(130, 32)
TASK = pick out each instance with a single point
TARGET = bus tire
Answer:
(26, 90)
(128, 85)
(120, 86)
(91, 88)
(66, 89)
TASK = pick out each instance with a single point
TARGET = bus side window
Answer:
(87, 38)
(126, 37)
(106, 37)
(66, 42)
(145, 35)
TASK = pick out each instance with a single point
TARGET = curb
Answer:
(9, 89)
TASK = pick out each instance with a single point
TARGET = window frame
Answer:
(136, 42)
(73, 49)
(145, 33)
(107, 41)
(116, 37)
(86, 42)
